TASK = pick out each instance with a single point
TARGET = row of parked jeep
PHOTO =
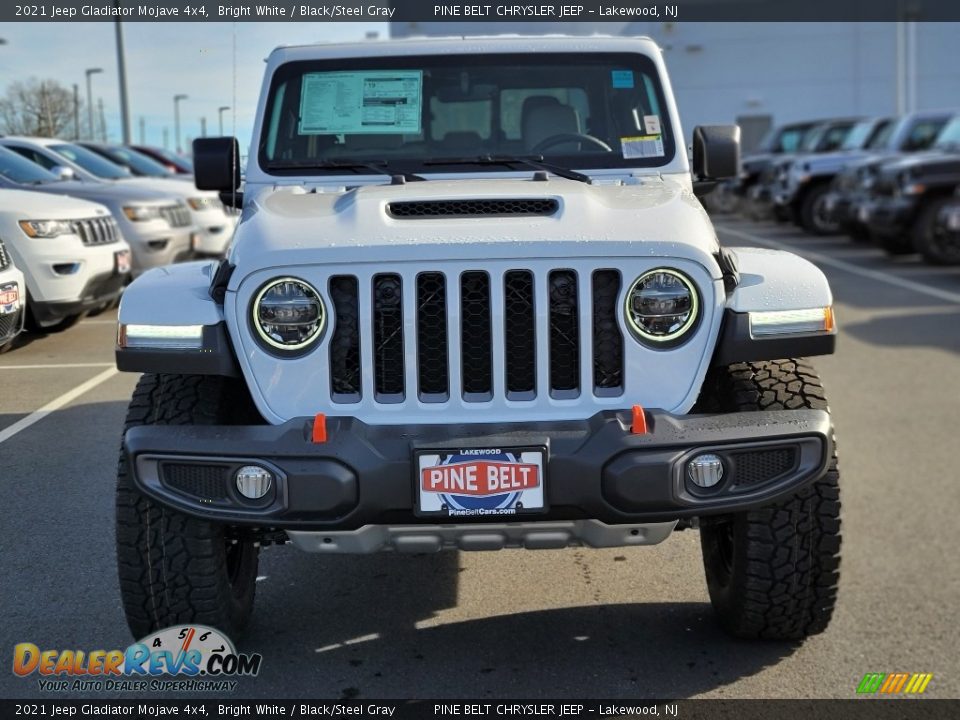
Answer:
(79, 220)
(893, 181)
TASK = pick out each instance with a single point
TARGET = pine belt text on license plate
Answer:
(477, 482)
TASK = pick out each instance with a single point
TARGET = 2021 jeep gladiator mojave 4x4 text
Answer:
(474, 302)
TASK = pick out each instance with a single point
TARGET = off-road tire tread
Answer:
(786, 555)
(172, 566)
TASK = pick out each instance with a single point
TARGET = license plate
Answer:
(477, 482)
(122, 258)
(9, 298)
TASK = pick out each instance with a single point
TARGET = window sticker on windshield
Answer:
(651, 124)
(622, 78)
(642, 146)
(372, 101)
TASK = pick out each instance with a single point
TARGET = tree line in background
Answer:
(43, 108)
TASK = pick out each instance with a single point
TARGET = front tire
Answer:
(772, 572)
(935, 243)
(175, 568)
(813, 212)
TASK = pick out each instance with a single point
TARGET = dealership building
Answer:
(758, 74)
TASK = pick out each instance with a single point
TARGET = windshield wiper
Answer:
(378, 167)
(534, 161)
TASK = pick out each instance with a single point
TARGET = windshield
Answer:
(132, 160)
(789, 138)
(949, 137)
(173, 158)
(22, 171)
(864, 133)
(91, 162)
(881, 136)
(583, 110)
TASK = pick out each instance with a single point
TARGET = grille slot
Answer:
(432, 372)
(176, 215)
(520, 342)
(207, 482)
(564, 335)
(388, 338)
(607, 338)
(97, 231)
(753, 467)
(345, 382)
(475, 339)
(5, 260)
(9, 323)
(499, 207)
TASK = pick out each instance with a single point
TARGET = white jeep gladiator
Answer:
(474, 302)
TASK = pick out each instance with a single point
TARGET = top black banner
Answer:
(420, 11)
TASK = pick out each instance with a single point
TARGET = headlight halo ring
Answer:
(271, 343)
(679, 335)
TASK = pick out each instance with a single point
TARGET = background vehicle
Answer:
(213, 225)
(913, 133)
(444, 318)
(905, 201)
(70, 251)
(152, 223)
(943, 245)
(12, 296)
(170, 160)
(783, 139)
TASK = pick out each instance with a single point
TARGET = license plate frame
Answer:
(513, 466)
(10, 298)
(122, 262)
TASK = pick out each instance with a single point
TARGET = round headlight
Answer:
(288, 314)
(662, 305)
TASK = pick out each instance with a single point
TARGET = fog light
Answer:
(254, 481)
(705, 470)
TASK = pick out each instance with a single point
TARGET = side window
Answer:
(33, 156)
(923, 134)
(790, 141)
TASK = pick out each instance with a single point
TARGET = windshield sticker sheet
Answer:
(369, 101)
(642, 146)
(622, 79)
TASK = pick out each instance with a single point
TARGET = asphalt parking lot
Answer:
(578, 623)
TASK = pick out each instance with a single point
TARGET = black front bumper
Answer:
(595, 469)
(99, 290)
(892, 216)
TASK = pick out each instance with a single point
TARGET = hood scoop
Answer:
(480, 207)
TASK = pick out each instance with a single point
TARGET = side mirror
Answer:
(716, 156)
(216, 163)
(63, 172)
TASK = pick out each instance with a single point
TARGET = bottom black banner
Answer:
(863, 709)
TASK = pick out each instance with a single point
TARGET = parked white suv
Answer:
(156, 223)
(12, 292)
(474, 302)
(71, 253)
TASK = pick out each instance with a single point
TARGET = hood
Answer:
(177, 187)
(42, 206)
(105, 193)
(286, 226)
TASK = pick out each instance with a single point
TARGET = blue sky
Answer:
(163, 59)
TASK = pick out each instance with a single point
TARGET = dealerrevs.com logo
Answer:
(184, 658)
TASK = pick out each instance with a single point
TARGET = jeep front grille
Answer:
(5, 261)
(476, 334)
(97, 231)
(176, 215)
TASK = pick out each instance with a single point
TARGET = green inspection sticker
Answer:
(370, 101)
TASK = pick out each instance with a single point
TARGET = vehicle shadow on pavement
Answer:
(360, 627)
(934, 330)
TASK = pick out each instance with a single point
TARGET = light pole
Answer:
(220, 111)
(89, 72)
(76, 112)
(203, 126)
(122, 75)
(176, 120)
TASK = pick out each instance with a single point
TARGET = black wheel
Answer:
(174, 568)
(932, 239)
(772, 572)
(813, 215)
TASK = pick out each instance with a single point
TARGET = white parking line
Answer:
(56, 366)
(54, 405)
(821, 259)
